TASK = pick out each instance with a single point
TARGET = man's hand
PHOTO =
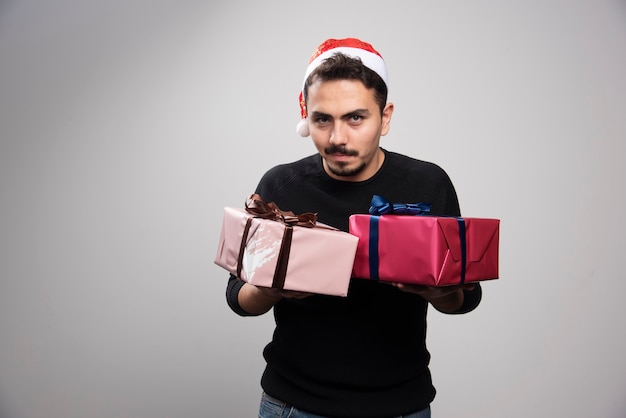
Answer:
(258, 300)
(445, 299)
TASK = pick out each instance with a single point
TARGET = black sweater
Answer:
(364, 355)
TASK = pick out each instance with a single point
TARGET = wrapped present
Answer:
(268, 247)
(404, 243)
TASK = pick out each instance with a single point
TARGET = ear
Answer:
(386, 119)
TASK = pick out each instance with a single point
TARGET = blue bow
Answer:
(381, 206)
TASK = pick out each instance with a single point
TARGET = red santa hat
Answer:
(351, 47)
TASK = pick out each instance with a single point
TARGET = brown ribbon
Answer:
(258, 207)
(262, 209)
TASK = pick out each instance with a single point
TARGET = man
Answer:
(363, 355)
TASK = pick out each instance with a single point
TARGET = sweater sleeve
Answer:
(232, 296)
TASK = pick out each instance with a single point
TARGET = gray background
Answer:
(126, 127)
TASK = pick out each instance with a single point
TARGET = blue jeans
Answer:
(273, 408)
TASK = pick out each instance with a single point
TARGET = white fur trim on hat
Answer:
(371, 60)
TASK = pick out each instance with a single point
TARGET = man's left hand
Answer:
(443, 298)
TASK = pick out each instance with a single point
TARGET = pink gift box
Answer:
(317, 259)
(424, 249)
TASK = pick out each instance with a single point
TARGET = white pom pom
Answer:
(303, 128)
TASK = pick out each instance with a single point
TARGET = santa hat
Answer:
(351, 47)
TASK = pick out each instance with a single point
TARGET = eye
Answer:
(356, 119)
(322, 119)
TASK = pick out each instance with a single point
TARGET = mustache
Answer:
(340, 149)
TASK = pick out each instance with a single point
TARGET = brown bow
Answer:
(262, 209)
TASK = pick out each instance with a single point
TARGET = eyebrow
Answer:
(356, 112)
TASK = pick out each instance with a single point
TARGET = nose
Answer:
(338, 135)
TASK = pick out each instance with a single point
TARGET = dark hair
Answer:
(342, 67)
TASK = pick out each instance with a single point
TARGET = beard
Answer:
(340, 168)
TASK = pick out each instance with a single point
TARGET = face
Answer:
(346, 126)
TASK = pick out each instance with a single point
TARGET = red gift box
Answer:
(267, 247)
(424, 249)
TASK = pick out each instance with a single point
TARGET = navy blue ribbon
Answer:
(463, 239)
(381, 206)
(373, 247)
